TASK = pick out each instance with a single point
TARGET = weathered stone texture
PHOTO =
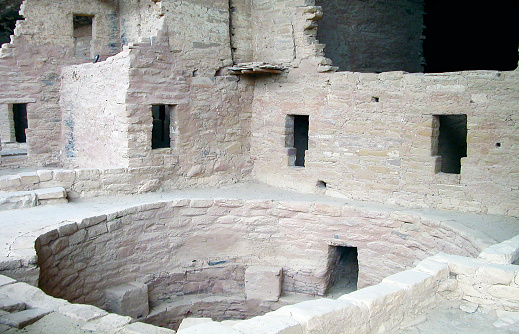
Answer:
(184, 238)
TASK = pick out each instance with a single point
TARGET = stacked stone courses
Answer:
(103, 81)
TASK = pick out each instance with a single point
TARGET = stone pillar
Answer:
(128, 299)
(263, 283)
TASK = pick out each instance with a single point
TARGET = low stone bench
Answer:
(28, 199)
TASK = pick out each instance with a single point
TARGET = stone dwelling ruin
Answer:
(366, 105)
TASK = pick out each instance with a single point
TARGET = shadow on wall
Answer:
(8, 17)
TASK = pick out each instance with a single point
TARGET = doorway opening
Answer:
(160, 135)
(342, 270)
(450, 141)
(20, 122)
(297, 139)
(83, 36)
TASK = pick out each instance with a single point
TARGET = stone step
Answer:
(23, 318)
(27, 199)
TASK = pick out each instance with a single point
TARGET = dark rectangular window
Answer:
(297, 138)
(160, 137)
(83, 36)
(450, 141)
(20, 121)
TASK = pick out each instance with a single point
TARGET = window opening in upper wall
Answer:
(296, 139)
(20, 122)
(161, 132)
(83, 36)
(450, 141)
(342, 270)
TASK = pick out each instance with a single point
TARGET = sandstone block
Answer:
(44, 175)
(17, 200)
(4, 280)
(504, 253)
(208, 328)
(51, 193)
(29, 178)
(263, 283)
(438, 269)
(46, 238)
(327, 316)
(269, 325)
(496, 274)
(411, 278)
(190, 322)
(504, 292)
(129, 299)
(108, 324)
(201, 203)
(384, 302)
(460, 265)
(91, 221)
(11, 305)
(66, 176)
(82, 312)
(23, 318)
(67, 229)
(10, 182)
(142, 328)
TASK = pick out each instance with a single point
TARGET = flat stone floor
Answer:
(20, 228)
(447, 317)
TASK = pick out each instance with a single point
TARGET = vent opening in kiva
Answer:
(342, 270)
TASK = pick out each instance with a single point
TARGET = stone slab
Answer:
(24, 318)
(82, 312)
(51, 193)
(263, 283)
(142, 328)
(12, 305)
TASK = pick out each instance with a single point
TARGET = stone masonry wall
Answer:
(90, 182)
(30, 65)
(80, 260)
(210, 116)
(371, 135)
(210, 112)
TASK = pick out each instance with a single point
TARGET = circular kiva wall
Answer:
(193, 247)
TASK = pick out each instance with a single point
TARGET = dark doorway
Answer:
(342, 270)
(161, 126)
(20, 121)
(470, 35)
(297, 138)
(83, 36)
(450, 141)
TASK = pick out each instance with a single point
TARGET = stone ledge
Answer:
(28, 199)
